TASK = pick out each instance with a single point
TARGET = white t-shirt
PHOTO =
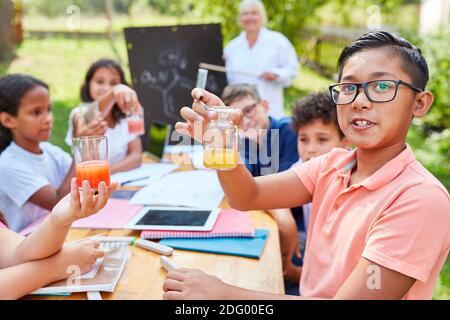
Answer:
(23, 174)
(272, 52)
(118, 137)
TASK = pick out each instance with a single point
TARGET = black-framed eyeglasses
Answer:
(249, 111)
(376, 91)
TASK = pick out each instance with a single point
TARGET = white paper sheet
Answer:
(183, 149)
(146, 174)
(194, 189)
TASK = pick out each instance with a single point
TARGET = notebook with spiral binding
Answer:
(230, 224)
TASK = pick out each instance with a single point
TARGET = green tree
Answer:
(6, 39)
(287, 17)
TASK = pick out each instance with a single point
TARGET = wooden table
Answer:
(143, 276)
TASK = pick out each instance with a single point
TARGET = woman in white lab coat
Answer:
(261, 57)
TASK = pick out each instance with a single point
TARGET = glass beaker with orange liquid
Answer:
(136, 124)
(91, 159)
(220, 141)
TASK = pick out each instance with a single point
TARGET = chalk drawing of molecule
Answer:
(168, 79)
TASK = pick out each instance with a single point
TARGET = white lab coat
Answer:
(272, 52)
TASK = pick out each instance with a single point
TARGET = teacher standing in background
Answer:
(261, 57)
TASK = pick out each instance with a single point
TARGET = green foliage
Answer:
(174, 7)
(436, 50)
(430, 136)
(288, 24)
(52, 8)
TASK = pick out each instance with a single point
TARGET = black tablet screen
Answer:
(192, 218)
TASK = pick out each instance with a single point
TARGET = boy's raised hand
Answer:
(199, 115)
(75, 206)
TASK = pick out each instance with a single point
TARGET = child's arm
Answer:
(122, 95)
(289, 242)
(191, 284)
(243, 192)
(280, 190)
(133, 158)
(48, 196)
(19, 280)
(49, 237)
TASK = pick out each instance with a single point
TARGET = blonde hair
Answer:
(246, 4)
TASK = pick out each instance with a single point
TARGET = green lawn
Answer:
(62, 64)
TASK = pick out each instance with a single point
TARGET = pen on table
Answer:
(134, 180)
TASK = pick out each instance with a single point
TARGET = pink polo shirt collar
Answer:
(382, 176)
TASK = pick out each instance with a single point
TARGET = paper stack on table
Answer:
(194, 189)
(146, 174)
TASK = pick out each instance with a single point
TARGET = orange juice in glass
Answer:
(136, 124)
(91, 159)
(220, 141)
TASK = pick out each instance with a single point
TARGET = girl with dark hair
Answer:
(106, 99)
(35, 174)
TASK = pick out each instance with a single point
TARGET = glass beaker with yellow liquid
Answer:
(220, 141)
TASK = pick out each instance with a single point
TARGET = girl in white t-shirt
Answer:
(106, 99)
(35, 174)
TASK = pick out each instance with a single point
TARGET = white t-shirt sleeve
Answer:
(63, 159)
(23, 182)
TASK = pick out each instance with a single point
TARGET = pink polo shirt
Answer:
(2, 225)
(398, 218)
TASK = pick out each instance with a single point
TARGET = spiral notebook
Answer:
(243, 247)
(230, 223)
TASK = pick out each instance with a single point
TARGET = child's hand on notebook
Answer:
(77, 257)
(75, 206)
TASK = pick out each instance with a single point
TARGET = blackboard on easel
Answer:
(164, 62)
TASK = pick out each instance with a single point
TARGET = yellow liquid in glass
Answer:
(220, 159)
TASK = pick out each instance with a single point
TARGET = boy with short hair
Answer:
(268, 144)
(314, 118)
(376, 210)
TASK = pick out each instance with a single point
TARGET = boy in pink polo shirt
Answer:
(379, 226)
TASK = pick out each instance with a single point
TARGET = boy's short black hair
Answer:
(315, 106)
(412, 61)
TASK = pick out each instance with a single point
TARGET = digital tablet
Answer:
(176, 219)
